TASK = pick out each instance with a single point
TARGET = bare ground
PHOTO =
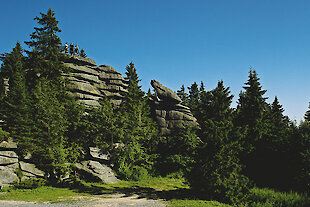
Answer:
(111, 200)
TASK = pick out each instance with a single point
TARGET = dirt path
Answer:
(112, 200)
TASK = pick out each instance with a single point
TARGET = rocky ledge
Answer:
(91, 82)
(168, 110)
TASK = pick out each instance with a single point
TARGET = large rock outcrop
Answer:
(10, 164)
(168, 110)
(91, 82)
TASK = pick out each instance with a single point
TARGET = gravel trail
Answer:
(113, 200)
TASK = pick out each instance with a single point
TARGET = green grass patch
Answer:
(195, 203)
(41, 194)
(263, 197)
(174, 191)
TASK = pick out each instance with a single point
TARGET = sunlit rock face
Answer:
(91, 82)
(168, 110)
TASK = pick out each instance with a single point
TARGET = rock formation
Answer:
(10, 164)
(168, 110)
(91, 82)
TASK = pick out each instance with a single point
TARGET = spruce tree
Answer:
(270, 164)
(51, 102)
(16, 104)
(140, 130)
(250, 110)
(193, 97)
(183, 95)
(217, 173)
(45, 56)
(307, 114)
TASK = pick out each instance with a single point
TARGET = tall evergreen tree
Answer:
(250, 110)
(307, 114)
(50, 98)
(140, 130)
(193, 98)
(217, 173)
(271, 162)
(16, 103)
(183, 95)
(44, 59)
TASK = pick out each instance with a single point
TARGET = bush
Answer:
(31, 183)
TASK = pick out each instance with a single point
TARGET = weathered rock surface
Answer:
(96, 171)
(7, 175)
(90, 82)
(6, 145)
(97, 154)
(10, 163)
(30, 170)
(168, 111)
(165, 93)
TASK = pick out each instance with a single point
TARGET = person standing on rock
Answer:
(66, 48)
(71, 49)
(76, 50)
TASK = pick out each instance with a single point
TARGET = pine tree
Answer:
(82, 53)
(50, 126)
(307, 114)
(50, 100)
(183, 95)
(270, 161)
(140, 130)
(44, 59)
(250, 110)
(217, 172)
(44, 39)
(193, 97)
(16, 104)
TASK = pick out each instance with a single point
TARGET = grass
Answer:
(174, 191)
(41, 194)
(264, 197)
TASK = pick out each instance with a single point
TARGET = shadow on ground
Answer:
(143, 192)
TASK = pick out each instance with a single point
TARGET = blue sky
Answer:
(181, 41)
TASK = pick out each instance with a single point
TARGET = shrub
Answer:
(31, 183)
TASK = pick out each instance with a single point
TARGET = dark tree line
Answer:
(254, 144)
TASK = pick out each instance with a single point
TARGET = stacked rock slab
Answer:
(10, 164)
(168, 110)
(90, 83)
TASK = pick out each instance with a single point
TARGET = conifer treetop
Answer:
(44, 39)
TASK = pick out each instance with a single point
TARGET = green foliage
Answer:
(183, 95)
(82, 53)
(140, 131)
(250, 111)
(100, 126)
(302, 147)
(44, 39)
(177, 150)
(307, 114)
(217, 172)
(196, 203)
(270, 198)
(16, 104)
(3, 135)
(31, 183)
(193, 98)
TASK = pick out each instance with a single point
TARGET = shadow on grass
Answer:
(142, 192)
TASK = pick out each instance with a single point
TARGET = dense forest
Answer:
(232, 150)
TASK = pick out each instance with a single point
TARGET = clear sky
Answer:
(181, 41)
